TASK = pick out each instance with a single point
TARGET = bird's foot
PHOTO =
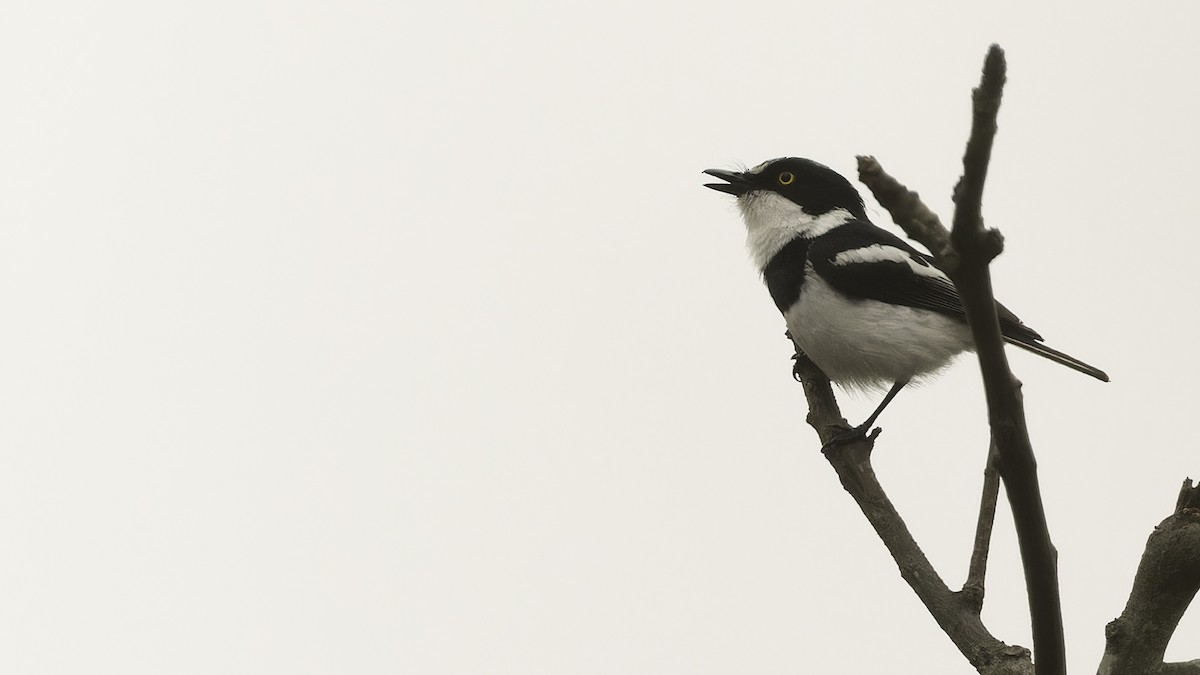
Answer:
(799, 357)
(853, 434)
(802, 362)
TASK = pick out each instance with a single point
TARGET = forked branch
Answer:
(1169, 575)
(956, 613)
(965, 255)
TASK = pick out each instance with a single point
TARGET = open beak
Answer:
(736, 182)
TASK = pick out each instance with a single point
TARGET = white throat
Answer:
(773, 220)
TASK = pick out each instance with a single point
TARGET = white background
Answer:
(403, 338)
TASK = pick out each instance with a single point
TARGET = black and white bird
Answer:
(867, 308)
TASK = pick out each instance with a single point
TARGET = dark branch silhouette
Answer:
(977, 247)
(1165, 584)
(956, 613)
(973, 588)
(973, 248)
(1169, 575)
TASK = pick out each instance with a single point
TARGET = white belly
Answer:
(867, 344)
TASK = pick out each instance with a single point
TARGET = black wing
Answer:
(864, 261)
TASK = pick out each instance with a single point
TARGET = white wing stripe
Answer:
(880, 253)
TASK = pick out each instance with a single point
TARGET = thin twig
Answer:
(973, 589)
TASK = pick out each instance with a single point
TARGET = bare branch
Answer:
(956, 615)
(910, 213)
(1006, 410)
(1189, 497)
(968, 193)
(1167, 580)
(975, 248)
(973, 588)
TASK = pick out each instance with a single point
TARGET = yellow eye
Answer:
(786, 178)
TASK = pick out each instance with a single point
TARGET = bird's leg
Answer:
(883, 404)
(861, 430)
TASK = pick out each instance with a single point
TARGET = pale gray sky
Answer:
(403, 338)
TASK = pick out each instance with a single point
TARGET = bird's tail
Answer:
(1057, 357)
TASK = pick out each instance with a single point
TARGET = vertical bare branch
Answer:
(973, 588)
(968, 193)
(975, 247)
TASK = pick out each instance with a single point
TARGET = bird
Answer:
(861, 303)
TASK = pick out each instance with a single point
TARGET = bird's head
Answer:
(786, 198)
(813, 187)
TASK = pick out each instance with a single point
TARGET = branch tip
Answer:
(1189, 497)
